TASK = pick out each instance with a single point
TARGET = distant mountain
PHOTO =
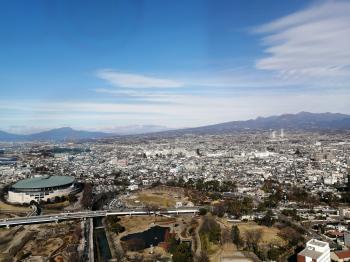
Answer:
(59, 134)
(300, 121)
(66, 133)
(137, 129)
(4, 136)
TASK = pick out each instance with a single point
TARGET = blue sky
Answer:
(99, 65)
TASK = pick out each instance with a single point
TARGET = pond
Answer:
(152, 236)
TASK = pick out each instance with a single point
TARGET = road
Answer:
(90, 214)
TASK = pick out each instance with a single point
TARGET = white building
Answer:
(133, 187)
(146, 182)
(178, 204)
(41, 188)
(315, 251)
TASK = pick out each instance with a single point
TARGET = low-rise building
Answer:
(315, 251)
(341, 256)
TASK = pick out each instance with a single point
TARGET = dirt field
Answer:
(6, 235)
(4, 206)
(140, 223)
(160, 199)
(269, 234)
(56, 206)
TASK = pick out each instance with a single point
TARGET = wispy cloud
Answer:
(130, 93)
(127, 80)
(175, 111)
(311, 45)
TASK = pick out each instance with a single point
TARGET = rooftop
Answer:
(317, 243)
(343, 254)
(43, 181)
(310, 253)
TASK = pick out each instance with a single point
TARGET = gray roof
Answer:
(318, 243)
(310, 253)
(43, 181)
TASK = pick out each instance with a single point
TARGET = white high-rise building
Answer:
(282, 133)
(273, 134)
(315, 251)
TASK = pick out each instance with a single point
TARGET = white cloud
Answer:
(173, 111)
(135, 94)
(312, 45)
(127, 80)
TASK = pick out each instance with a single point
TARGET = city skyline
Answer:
(99, 66)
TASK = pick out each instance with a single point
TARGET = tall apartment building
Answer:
(315, 251)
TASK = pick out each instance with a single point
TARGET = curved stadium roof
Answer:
(43, 181)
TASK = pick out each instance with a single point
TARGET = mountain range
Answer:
(299, 121)
(58, 134)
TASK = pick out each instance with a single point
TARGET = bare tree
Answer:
(226, 236)
(152, 208)
(136, 258)
(152, 258)
(119, 255)
(291, 235)
(202, 257)
(253, 237)
(73, 257)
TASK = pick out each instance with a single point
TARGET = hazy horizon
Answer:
(134, 129)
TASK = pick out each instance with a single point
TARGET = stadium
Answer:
(41, 188)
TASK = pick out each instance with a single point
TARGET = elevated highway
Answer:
(91, 214)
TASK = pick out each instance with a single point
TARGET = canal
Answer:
(102, 251)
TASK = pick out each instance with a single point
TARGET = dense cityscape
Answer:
(253, 195)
